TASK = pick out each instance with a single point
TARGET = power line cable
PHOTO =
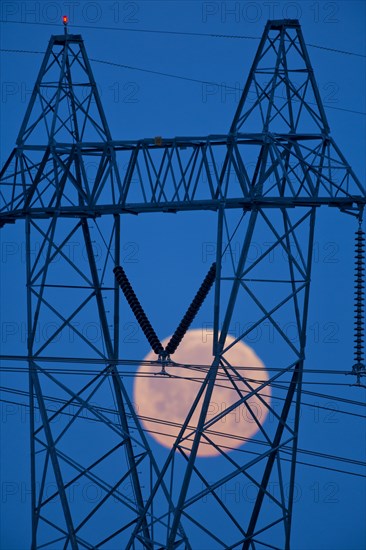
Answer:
(178, 33)
(25, 393)
(200, 367)
(163, 422)
(16, 391)
(174, 76)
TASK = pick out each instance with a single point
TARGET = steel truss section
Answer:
(270, 181)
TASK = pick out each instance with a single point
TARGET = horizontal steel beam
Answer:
(353, 203)
(157, 142)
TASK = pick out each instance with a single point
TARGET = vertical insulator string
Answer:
(359, 301)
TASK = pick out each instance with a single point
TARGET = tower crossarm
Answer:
(185, 173)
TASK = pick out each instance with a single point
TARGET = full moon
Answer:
(163, 402)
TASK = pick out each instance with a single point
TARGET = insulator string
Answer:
(359, 339)
(192, 310)
(137, 310)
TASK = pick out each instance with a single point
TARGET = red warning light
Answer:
(65, 19)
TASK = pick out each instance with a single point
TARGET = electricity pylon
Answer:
(268, 176)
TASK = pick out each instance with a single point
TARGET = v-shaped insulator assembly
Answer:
(144, 322)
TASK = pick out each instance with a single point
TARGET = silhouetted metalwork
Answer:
(268, 176)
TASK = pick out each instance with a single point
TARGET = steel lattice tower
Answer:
(273, 170)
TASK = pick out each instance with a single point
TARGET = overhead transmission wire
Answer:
(137, 362)
(186, 78)
(334, 398)
(202, 369)
(331, 398)
(162, 422)
(7, 389)
(226, 447)
(167, 423)
(153, 420)
(170, 75)
(178, 33)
